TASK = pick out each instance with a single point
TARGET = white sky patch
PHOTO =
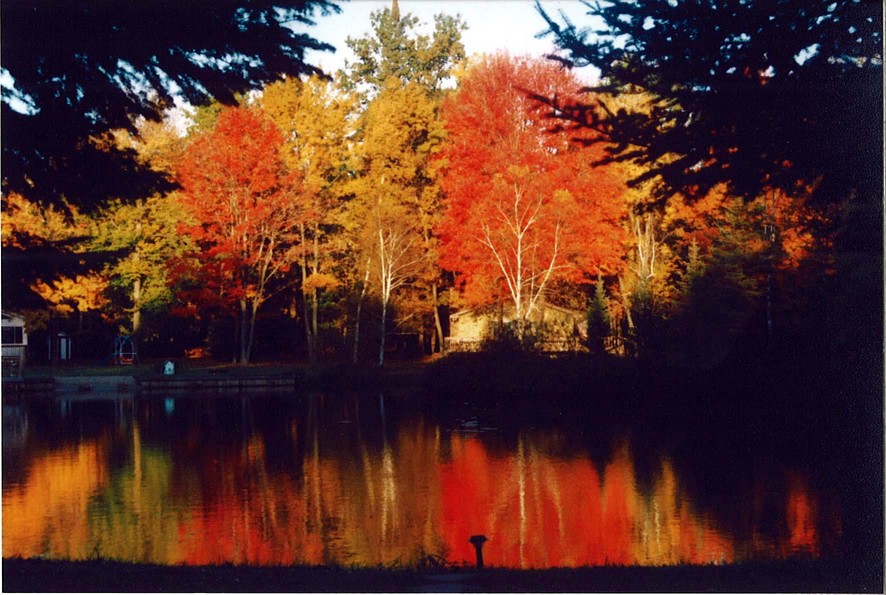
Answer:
(806, 53)
(18, 101)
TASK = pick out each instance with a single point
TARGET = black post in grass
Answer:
(477, 541)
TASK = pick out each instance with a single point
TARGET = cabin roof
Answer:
(11, 317)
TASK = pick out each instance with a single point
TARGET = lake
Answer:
(375, 479)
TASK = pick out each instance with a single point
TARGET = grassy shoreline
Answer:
(34, 575)
(322, 376)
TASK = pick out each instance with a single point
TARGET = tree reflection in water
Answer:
(326, 479)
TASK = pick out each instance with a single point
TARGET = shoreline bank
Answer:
(222, 378)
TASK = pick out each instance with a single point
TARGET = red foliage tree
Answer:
(245, 207)
(524, 205)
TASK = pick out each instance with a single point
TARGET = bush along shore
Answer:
(31, 575)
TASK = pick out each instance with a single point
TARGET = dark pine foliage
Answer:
(85, 67)
(754, 94)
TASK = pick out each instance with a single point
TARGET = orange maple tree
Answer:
(246, 206)
(524, 206)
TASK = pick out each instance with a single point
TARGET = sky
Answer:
(492, 25)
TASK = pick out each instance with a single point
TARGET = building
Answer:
(563, 329)
(15, 344)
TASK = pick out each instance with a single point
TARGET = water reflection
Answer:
(363, 480)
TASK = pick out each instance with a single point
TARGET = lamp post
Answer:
(477, 541)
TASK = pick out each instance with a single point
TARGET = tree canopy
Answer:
(753, 94)
(73, 70)
(524, 207)
(246, 206)
(396, 49)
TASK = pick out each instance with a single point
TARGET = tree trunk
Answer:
(357, 329)
(136, 309)
(359, 308)
(236, 344)
(251, 340)
(381, 344)
(309, 341)
(136, 294)
(385, 291)
(625, 304)
(315, 298)
(629, 341)
(772, 237)
(438, 325)
(244, 332)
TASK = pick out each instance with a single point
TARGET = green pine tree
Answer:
(599, 319)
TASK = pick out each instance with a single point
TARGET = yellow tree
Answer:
(643, 282)
(395, 53)
(157, 144)
(75, 294)
(143, 236)
(644, 285)
(47, 243)
(395, 188)
(27, 223)
(314, 119)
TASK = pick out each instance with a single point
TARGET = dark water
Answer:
(370, 479)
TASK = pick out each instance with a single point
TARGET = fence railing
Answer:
(456, 345)
(552, 346)
(612, 344)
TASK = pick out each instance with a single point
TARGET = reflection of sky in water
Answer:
(285, 481)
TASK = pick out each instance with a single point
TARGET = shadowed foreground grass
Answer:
(106, 576)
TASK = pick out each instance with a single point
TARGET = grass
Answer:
(107, 576)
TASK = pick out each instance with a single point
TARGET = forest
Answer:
(697, 204)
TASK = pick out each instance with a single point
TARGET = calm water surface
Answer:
(371, 479)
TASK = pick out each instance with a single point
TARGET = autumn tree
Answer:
(78, 267)
(245, 206)
(141, 238)
(157, 144)
(644, 283)
(47, 272)
(524, 206)
(395, 54)
(399, 133)
(28, 223)
(73, 294)
(757, 96)
(764, 250)
(314, 117)
(395, 254)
